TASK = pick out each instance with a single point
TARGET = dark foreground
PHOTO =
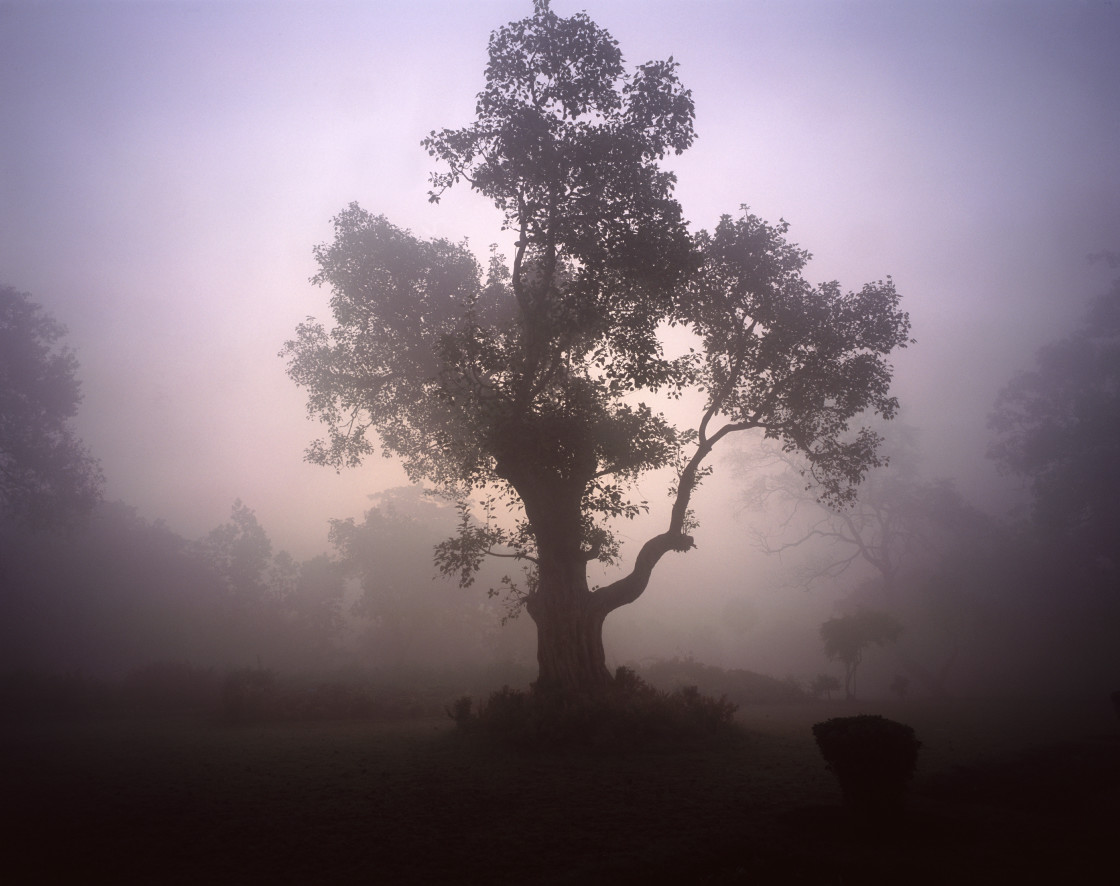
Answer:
(1005, 793)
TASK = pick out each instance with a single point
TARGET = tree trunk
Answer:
(569, 621)
(568, 615)
(850, 680)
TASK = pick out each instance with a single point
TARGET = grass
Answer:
(1008, 792)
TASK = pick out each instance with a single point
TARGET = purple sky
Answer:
(166, 168)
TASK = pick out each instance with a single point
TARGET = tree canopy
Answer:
(532, 382)
(47, 475)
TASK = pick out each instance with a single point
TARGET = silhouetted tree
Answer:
(525, 383)
(47, 476)
(846, 638)
(1057, 427)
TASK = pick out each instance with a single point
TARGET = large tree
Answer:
(531, 383)
(47, 475)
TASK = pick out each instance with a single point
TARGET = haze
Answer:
(168, 167)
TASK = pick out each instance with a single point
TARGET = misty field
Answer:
(1006, 792)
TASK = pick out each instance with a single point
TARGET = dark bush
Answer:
(629, 715)
(873, 758)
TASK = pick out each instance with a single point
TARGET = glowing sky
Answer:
(166, 168)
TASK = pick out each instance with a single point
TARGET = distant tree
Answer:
(308, 600)
(915, 535)
(1058, 427)
(241, 554)
(47, 476)
(272, 608)
(407, 615)
(847, 637)
(898, 523)
(529, 384)
(113, 593)
(317, 600)
(117, 592)
(824, 684)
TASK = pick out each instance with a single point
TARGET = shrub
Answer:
(873, 758)
(630, 714)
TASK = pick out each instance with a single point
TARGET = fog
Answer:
(168, 167)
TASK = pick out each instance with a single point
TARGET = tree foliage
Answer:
(531, 383)
(47, 475)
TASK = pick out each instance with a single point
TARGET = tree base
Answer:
(628, 715)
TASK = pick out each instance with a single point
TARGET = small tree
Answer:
(847, 637)
(529, 383)
(824, 684)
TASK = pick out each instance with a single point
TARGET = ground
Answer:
(1006, 792)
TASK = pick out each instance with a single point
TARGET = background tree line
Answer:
(118, 591)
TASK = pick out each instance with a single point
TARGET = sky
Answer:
(167, 167)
